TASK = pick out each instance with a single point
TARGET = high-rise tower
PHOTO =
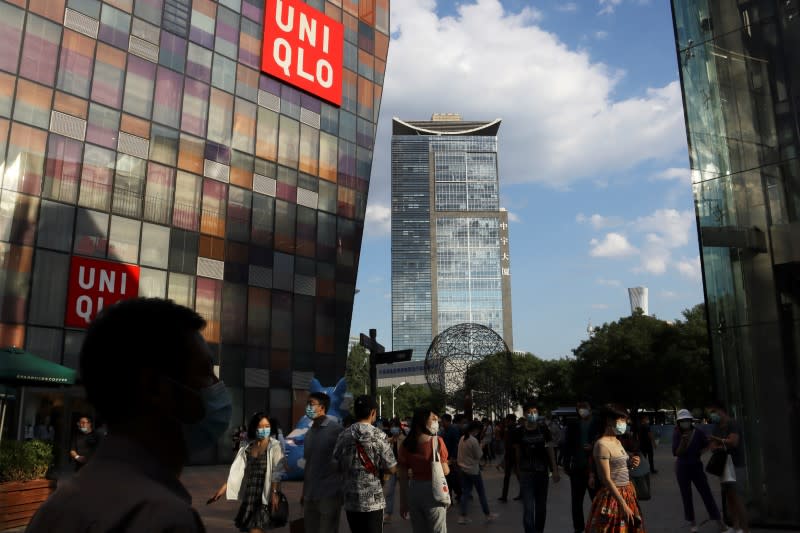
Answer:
(450, 252)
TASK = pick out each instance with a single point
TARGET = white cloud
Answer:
(599, 306)
(669, 294)
(690, 268)
(607, 7)
(601, 35)
(609, 282)
(513, 217)
(674, 173)
(569, 7)
(378, 220)
(668, 228)
(599, 221)
(557, 104)
(613, 245)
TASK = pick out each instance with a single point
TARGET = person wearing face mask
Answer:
(727, 434)
(469, 458)
(363, 453)
(615, 508)
(322, 483)
(255, 477)
(579, 437)
(535, 459)
(148, 373)
(84, 443)
(688, 444)
(416, 454)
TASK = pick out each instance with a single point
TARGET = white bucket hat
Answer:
(684, 414)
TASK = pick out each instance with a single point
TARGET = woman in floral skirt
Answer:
(255, 477)
(614, 508)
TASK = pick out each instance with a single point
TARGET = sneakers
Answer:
(463, 520)
(491, 517)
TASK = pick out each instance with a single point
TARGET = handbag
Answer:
(280, 516)
(441, 492)
(716, 463)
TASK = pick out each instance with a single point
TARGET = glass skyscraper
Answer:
(450, 253)
(144, 142)
(740, 72)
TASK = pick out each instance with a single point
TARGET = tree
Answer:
(357, 371)
(694, 371)
(409, 397)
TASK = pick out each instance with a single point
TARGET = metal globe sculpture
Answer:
(455, 350)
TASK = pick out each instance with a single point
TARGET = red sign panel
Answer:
(94, 284)
(304, 48)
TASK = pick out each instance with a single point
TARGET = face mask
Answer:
(395, 431)
(532, 418)
(433, 428)
(715, 418)
(262, 433)
(685, 424)
(621, 428)
(218, 409)
(84, 430)
(311, 412)
(584, 413)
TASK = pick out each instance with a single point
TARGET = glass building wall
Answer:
(740, 74)
(449, 236)
(143, 132)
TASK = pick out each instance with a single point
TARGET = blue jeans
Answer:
(533, 488)
(467, 481)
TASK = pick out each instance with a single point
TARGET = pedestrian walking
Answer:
(688, 444)
(510, 458)
(469, 462)
(363, 453)
(727, 435)
(579, 438)
(162, 402)
(647, 442)
(487, 440)
(84, 443)
(535, 460)
(255, 477)
(428, 515)
(322, 485)
(614, 508)
(396, 437)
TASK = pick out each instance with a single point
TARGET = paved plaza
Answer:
(662, 514)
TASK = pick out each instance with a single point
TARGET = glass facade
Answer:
(740, 72)
(450, 261)
(142, 132)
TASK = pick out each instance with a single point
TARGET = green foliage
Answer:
(409, 397)
(641, 361)
(24, 461)
(357, 372)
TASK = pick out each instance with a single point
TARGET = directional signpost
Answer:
(379, 356)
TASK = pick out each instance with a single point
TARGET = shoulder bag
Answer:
(441, 493)
(717, 462)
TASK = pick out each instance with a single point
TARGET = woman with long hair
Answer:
(415, 454)
(255, 477)
(614, 508)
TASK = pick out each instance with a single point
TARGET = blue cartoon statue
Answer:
(340, 405)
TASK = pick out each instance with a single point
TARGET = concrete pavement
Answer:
(662, 514)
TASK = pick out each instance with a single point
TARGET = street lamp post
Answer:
(394, 388)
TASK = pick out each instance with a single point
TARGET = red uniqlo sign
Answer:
(303, 47)
(94, 284)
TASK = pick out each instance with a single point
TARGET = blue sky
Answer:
(593, 159)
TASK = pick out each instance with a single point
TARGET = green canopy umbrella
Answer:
(19, 367)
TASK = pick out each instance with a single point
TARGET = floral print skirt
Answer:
(607, 515)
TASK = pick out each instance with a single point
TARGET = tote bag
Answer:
(441, 493)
